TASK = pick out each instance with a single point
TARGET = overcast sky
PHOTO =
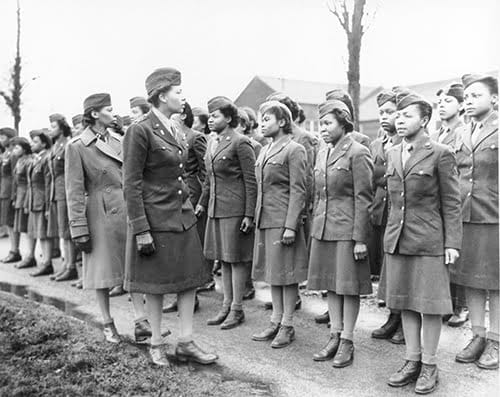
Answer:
(79, 47)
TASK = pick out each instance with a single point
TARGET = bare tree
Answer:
(13, 96)
(354, 19)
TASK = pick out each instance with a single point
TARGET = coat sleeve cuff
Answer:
(360, 237)
(79, 228)
(139, 225)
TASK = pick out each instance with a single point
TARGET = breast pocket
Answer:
(420, 180)
(161, 153)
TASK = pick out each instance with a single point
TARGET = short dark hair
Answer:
(64, 127)
(155, 98)
(44, 138)
(144, 108)
(88, 120)
(344, 120)
(425, 109)
(301, 116)
(281, 114)
(204, 119)
(232, 112)
(291, 105)
(491, 83)
(188, 112)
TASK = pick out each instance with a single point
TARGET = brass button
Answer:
(401, 221)
(180, 152)
(179, 192)
(181, 165)
(108, 189)
(402, 194)
(180, 179)
(114, 211)
(470, 180)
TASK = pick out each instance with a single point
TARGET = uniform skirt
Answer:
(37, 225)
(20, 221)
(63, 220)
(6, 213)
(332, 267)
(276, 263)
(177, 264)
(417, 283)
(478, 265)
(52, 229)
(225, 242)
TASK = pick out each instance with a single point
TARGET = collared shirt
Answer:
(476, 130)
(405, 155)
(163, 119)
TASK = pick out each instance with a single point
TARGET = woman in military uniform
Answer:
(38, 187)
(7, 165)
(392, 329)
(138, 107)
(280, 253)
(338, 253)
(229, 198)
(477, 270)
(58, 224)
(164, 253)
(422, 238)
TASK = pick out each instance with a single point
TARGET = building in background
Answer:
(310, 94)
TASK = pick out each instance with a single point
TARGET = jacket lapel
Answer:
(274, 150)
(489, 127)
(340, 149)
(162, 132)
(422, 150)
(109, 149)
(395, 157)
(225, 141)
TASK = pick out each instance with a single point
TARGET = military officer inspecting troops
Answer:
(477, 270)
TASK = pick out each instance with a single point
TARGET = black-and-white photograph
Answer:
(269, 198)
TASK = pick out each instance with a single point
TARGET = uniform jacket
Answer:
(7, 166)
(451, 136)
(379, 206)
(230, 188)
(311, 145)
(478, 171)
(93, 184)
(281, 185)
(196, 143)
(360, 138)
(257, 147)
(56, 168)
(424, 215)
(343, 190)
(38, 182)
(156, 193)
(20, 182)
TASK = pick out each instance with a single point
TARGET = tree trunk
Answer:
(17, 86)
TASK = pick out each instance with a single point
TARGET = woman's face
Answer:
(409, 122)
(55, 132)
(3, 140)
(387, 116)
(174, 99)
(198, 125)
(104, 116)
(36, 145)
(18, 150)
(136, 112)
(270, 125)
(448, 107)
(217, 121)
(478, 100)
(331, 130)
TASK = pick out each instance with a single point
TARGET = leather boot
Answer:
(489, 358)
(399, 337)
(389, 328)
(142, 331)
(323, 318)
(345, 354)
(45, 270)
(285, 336)
(459, 318)
(329, 350)
(219, 317)
(110, 333)
(12, 257)
(234, 318)
(472, 351)
(117, 291)
(408, 373)
(210, 286)
(68, 274)
(189, 351)
(268, 334)
(26, 263)
(427, 380)
(268, 305)
(158, 356)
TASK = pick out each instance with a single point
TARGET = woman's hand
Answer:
(83, 244)
(360, 251)
(145, 244)
(246, 225)
(199, 210)
(450, 256)
(288, 237)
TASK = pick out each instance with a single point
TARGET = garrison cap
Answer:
(56, 117)
(77, 119)
(96, 101)
(386, 96)
(490, 81)
(8, 132)
(455, 90)
(138, 101)
(219, 102)
(162, 78)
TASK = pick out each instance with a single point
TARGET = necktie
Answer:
(215, 143)
(442, 134)
(476, 129)
(406, 154)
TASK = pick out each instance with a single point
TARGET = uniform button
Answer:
(324, 188)
(180, 152)
(181, 165)
(468, 194)
(472, 168)
(180, 179)
(384, 199)
(402, 194)
(179, 192)
(163, 148)
(223, 157)
(104, 171)
(470, 180)
(114, 211)
(403, 208)
(420, 172)
(401, 221)
(385, 187)
(108, 189)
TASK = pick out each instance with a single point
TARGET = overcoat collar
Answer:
(160, 130)
(111, 149)
(422, 148)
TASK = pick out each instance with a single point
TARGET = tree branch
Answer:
(335, 9)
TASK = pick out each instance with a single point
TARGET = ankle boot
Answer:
(219, 317)
(389, 328)
(268, 334)
(472, 351)
(285, 336)
(427, 380)
(408, 373)
(329, 350)
(345, 354)
(489, 358)
(234, 318)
